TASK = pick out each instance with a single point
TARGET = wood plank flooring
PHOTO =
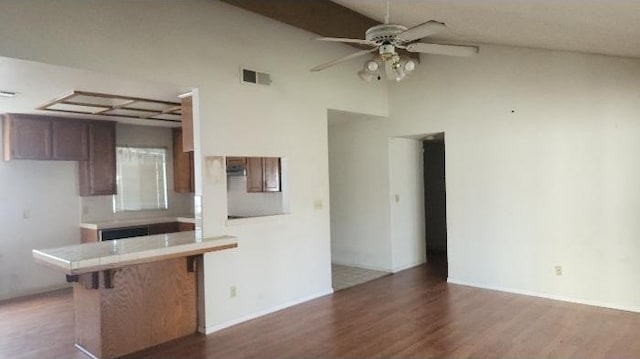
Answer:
(412, 314)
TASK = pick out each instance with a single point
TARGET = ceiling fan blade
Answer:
(349, 41)
(438, 49)
(343, 59)
(420, 31)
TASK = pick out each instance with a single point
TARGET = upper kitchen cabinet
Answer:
(98, 172)
(183, 179)
(70, 140)
(271, 174)
(254, 174)
(187, 123)
(263, 174)
(27, 137)
(32, 137)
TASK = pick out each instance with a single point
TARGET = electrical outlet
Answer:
(558, 269)
(396, 198)
(26, 214)
(232, 291)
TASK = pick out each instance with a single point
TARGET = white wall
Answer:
(408, 246)
(360, 213)
(32, 189)
(553, 182)
(100, 208)
(279, 262)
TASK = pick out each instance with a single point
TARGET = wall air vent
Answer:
(255, 77)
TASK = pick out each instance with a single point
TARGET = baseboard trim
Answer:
(358, 265)
(215, 328)
(548, 296)
(35, 292)
(410, 265)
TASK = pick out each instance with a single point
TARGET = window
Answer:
(141, 177)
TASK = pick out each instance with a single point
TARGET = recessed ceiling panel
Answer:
(115, 105)
(75, 108)
(167, 117)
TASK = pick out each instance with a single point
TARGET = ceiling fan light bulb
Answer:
(409, 66)
(372, 66)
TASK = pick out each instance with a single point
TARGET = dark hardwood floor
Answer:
(412, 314)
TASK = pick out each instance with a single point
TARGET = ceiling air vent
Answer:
(255, 77)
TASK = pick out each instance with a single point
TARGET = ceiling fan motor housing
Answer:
(385, 34)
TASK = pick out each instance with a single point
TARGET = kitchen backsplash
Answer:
(100, 208)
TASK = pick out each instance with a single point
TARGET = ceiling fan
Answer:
(386, 38)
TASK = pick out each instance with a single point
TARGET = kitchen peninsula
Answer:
(134, 293)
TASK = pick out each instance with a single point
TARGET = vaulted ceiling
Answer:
(607, 27)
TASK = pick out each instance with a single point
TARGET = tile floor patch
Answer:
(344, 276)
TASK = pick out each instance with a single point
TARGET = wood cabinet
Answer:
(271, 174)
(183, 177)
(34, 137)
(98, 172)
(185, 227)
(27, 137)
(161, 228)
(187, 124)
(88, 235)
(263, 174)
(70, 140)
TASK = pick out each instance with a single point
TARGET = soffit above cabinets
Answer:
(93, 103)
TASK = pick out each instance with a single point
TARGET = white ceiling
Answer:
(608, 27)
(37, 83)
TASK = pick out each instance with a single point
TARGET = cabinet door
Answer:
(254, 174)
(88, 235)
(161, 228)
(70, 140)
(27, 138)
(185, 227)
(98, 173)
(187, 124)
(182, 165)
(271, 174)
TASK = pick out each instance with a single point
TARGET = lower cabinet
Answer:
(160, 228)
(185, 227)
(95, 235)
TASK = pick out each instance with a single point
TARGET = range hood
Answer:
(237, 170)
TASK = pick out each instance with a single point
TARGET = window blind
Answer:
(141, 178)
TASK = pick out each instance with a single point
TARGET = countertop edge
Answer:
(95, 264)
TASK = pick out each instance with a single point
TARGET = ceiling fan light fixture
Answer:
(409, 66)
(372, 66)
(365, 75)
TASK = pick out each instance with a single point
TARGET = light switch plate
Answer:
(317, 204)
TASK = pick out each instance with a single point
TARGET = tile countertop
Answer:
(121, 223)
(93, 257)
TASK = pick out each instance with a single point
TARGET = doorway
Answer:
(435, 203)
